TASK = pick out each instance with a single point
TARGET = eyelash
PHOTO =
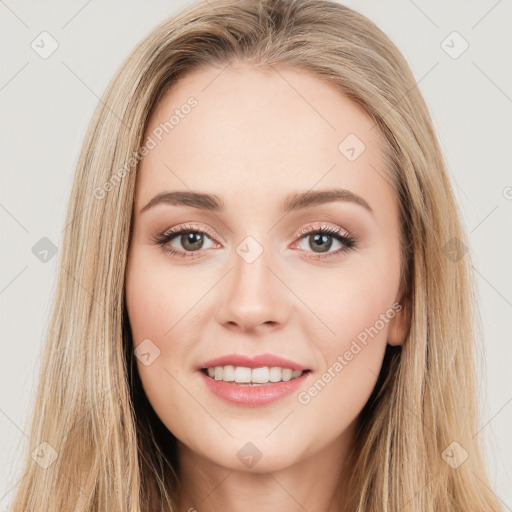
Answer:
(349, 242)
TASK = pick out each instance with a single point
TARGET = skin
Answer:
(253, 140)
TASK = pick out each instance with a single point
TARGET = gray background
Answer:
(46, 105)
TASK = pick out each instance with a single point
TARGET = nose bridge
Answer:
(253, 295)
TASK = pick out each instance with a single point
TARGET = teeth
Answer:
(245, 375)
(242, 374)
(228, 373)
(260, 375)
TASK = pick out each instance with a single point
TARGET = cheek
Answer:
(357, 306)
(163, 302)
(353, 302)
(157, 296)
(154, 310)
(352, 359)
(157, 313)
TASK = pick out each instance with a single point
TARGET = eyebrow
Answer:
(294, 202)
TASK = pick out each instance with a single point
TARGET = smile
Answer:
(252, 376)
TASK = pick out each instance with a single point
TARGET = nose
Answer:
(253, 298)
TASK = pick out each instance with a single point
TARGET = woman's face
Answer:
(254, 275)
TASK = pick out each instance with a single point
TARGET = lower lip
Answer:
(252, 396)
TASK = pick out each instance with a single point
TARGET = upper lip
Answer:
(257, 361)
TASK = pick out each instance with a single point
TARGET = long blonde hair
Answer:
(110, 450)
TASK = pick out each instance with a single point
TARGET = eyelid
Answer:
(320, 225)
(190, 227)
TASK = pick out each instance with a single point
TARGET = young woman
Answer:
(263, 301)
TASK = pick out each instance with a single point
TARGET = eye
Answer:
(322, 238)
(191, 239)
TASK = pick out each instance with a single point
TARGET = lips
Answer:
(253, 396)
(257, 361)
(245, 393)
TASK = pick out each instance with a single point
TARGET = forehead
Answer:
(252, 130)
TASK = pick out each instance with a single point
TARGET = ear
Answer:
(400, 324)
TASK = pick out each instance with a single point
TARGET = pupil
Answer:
(324, 241)
(192, 240)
